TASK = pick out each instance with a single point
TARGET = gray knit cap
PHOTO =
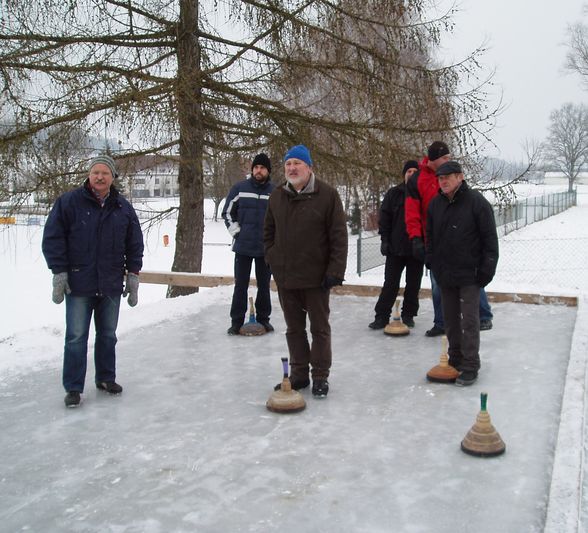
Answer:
(104, 160)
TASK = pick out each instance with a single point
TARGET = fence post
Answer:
(359, 254)
(526, 211)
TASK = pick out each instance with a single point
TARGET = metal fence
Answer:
(510, 218)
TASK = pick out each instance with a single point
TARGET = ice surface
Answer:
(190, 446)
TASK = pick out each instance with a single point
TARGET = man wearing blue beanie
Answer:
(305, 241)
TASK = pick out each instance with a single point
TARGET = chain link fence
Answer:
(566, 257)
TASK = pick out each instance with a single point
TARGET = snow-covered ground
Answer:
(189, 446)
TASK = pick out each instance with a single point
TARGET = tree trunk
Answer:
(190, 226)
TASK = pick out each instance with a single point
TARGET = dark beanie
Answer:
(437, 150)
(451, 167)
(409, 164)
(262, 159)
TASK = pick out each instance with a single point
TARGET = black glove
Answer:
(384, 248)
(482, 279)
(418, 249)
(330, 281)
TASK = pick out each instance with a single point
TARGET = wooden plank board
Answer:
(191, 279)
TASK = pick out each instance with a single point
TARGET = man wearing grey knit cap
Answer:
(92, 238)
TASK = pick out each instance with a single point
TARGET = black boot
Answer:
(379, 323)
(72, 399)
(320, 388)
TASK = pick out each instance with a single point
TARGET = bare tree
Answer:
(225, 169)
(169, 78)
(577, 56)
(567, 143)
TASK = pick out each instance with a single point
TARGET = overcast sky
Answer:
(526, 42)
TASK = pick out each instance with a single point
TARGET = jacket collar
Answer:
(309, 188)
(462, 188)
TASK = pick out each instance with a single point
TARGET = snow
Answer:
(189, 446)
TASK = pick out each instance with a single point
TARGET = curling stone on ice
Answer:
(285, 399)
(396, 327)
(253, 327)
(443, 372)
(482, 439)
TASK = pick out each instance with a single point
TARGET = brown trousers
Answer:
(461, 315)
(296, 304)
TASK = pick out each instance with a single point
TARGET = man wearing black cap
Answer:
(462, 251)
(91, 238)
(395, 246)
(420, 190)
(243, 213)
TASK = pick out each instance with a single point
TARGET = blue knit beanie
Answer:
(299, 152)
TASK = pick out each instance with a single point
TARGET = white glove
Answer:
(234, 229)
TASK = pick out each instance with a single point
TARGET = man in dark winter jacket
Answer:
(91, 238)
(243, 213)
(462, 251)
(396, 248)
(420, 190)
(305, 238)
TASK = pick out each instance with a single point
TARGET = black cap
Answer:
(437, 150)
(451, 167)
(409, 164)
(262, 159)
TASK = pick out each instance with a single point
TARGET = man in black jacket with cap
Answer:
(462, 251)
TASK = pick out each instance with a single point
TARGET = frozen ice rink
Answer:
(190, 446)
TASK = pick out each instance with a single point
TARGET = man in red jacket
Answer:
(421, 188)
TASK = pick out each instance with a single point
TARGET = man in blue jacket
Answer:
(91, 239)
(244, 213)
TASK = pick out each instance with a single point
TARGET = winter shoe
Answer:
(72, 398)
(233, 330)
(266, 324)
(485, 325)
(435, 331)
(408, 321)
(466, 378)
(297, 383)
(320, 388)
(378, 323)
(109, 386)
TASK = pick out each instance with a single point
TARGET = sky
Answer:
(526, 47)
(189, 445)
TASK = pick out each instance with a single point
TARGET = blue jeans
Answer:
(78, 313)
(485, 310)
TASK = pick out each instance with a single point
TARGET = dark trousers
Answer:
(296, 304)
(263, 304)
(395, 264)
(485, 309)
(462, 325)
